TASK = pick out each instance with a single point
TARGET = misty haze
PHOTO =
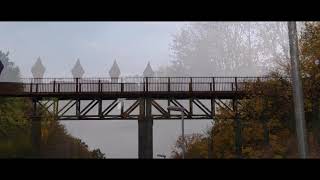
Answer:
(154, 89)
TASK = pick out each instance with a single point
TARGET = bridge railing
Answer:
(139, 84)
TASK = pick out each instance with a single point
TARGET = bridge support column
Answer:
(78, 108)
(210, 140)
(100, 108)
(238, 130)
(35, 130)
(145, 130)
(56, 108)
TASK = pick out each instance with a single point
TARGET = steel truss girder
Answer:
(205, 111)
(126, 113)
(160, 109)
(83, 113)
(110, 107)
(44, 106)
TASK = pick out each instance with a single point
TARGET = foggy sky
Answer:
(96, 44)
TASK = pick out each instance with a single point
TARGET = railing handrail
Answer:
(141, 84)
(151, 78)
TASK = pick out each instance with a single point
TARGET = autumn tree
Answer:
(196, 147)
(15, 127)
(266, 121)
(268, 127)
(310, 52)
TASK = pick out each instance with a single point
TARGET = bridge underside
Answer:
(128, 109)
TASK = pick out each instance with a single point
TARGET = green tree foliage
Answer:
(14, 124)
(14, 128)
(56, 142)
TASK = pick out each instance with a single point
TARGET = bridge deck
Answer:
(111, 88)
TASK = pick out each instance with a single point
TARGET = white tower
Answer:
(38, 70)
(148, 72)
(114, 72)
(77, 71)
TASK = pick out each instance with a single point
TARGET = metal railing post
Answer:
(147, 87)
(168, 84)
(121, 86)
(190, 85)
(37, 87)
(236, 83)
(54, 85)
(77, 79)
(213, 84)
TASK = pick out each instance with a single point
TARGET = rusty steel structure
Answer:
(98, 98)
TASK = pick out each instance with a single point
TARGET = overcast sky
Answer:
(96, 44)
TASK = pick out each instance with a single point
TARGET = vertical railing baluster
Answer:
(169, 84)
(147, 86)
(213, 84)
(190, 84)
(121, 86)
(77, 84)
(37, 87)
(236, 83)
(54, 85)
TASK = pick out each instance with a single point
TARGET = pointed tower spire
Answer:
(77, 71)
(148, 72)
(114, 72)
(38, 69)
